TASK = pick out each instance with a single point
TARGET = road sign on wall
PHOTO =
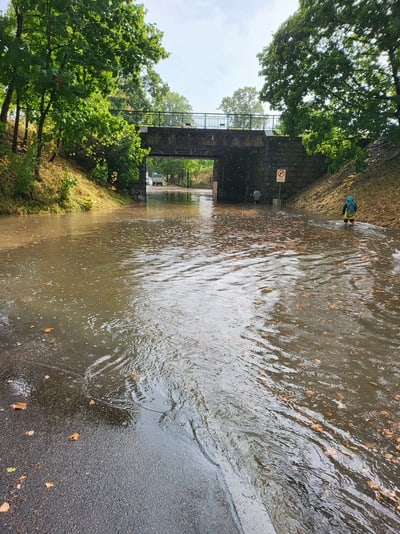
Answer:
(281, 175)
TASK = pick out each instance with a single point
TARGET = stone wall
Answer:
(301, 169)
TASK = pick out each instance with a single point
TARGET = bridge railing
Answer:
(219, 121)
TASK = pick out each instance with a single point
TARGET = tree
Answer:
(241, 106)
(105, 145)
(133, 97)
(76, 49)
(175, 109)
(333, 70)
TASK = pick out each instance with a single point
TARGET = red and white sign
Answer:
(281, 175)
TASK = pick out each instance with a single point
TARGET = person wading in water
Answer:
(349, 210)
(257, 196)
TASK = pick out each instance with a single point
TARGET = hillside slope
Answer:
(63, 188)
(376, 190)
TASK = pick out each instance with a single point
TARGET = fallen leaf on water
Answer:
(19, 406)
(9, 381)
(4, 508)
(46, 377)
(317, 427)
(29, 433)
(317, 361)
(49, 485)
(373, 484)
(74, 437)
(11, 469)
(92, 402)
(375, 384)
(386, 432)
(47, 330)
(133, 374)
(310, 393)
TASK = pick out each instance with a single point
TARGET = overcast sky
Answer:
(213, 44)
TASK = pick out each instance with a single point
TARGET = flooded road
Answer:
(269, 338)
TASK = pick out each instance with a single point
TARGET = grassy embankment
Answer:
(376, 190)
(63, 188)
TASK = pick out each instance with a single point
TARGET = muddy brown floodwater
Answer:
(269, 338)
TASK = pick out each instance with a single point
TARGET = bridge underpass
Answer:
(244, 160)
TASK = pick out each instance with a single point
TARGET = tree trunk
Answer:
(6, 103)
(56, 151)
(39, 147)
(25, 141)
(16, 125)
(44, 110)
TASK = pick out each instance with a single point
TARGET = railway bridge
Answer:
(247, 153)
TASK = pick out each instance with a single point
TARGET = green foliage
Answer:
(104, 144)
(244, 101)
(177, 110)
(99, 174)
(177, 167)
(64, 190)
(86, 205)
(22, 168)
(147, 95)
(333, 70)
(337, 148)
(54, 56)
(17, 173)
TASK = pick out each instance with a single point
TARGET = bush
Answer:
(64, 190)
(99, 174)
(17, 174)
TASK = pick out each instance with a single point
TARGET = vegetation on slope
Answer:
(63, 187)
(376, 189)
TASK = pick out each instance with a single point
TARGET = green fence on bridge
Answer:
(219, 121)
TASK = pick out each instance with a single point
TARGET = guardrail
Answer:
(219, 121)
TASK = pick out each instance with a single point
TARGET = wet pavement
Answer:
(130, 475)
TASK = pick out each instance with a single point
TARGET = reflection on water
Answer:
(272, 337)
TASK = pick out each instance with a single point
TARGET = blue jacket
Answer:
(349, 207)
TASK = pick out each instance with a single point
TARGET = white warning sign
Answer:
(281, 175)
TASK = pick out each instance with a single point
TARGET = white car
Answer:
(158, 179)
